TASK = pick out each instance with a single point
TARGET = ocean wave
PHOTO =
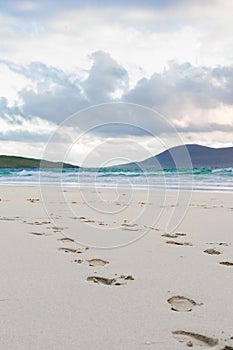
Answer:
(220, 178)
(111, 174)
(222, 170)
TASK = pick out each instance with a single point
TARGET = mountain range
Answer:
(189, 156)
(184, 156)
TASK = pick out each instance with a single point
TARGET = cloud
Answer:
(137, 34)
(191, 98)
(71, 55)
(53, 103)
(105, 78)
(3, 105)
(182, 89)
(15, 127)
(55, 95)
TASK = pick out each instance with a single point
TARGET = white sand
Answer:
(47, 303)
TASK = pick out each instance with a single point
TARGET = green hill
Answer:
(22, 162)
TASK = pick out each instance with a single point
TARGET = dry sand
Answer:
(168, 289)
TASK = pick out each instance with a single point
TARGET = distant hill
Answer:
(22, 162)
(185, 156)
(200, 157)
(178, 157)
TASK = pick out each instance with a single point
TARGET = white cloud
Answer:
(137, 38)
(105, 78)
(19, 124)
(22, 149)
(97, 151)
(191, 97)
(56, 74)
(11, 83)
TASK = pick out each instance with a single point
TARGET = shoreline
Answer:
(213, 189)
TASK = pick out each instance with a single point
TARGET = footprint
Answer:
(103, 280)
(72, 250)
(221, 243)
(102, 224)
(56, 228)
(130, 229)
(212, 251)
(68, 250)
(127, 277)
(66, 239)
(83, 219)
(37, 222)
(110, 281)
(152, 228)
(38, 233)
(182, 304)
(7, 219)
(97, 262)
(226, 263)
(128, 225)
(179, 243)
(33, 200)
(168, 235)
(78, 261)
(194, 339)
(173, 235)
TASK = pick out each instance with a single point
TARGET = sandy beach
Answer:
(102, 269)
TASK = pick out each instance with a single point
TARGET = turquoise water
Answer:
(197, 179)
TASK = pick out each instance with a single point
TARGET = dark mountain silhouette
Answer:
(187, 156)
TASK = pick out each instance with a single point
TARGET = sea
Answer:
(199, 179)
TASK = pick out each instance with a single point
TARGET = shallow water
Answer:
(186, 179)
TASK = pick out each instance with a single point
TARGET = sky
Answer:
(136, 77)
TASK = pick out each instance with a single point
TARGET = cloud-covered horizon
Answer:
(58, 58)
(185, 94)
